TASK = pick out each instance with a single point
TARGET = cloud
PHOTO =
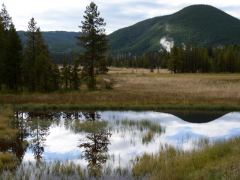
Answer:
(67, 14)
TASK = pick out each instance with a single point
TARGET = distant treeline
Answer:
(31, 68)
(185, 59)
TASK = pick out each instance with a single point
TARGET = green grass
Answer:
(7, 135)
(219, 161)
(8, 161)
(7, 132)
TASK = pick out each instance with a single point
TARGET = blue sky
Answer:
(67, 14)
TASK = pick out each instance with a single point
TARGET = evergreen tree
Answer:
(75, 80)
(38, 70)
(55, 78)
(174, 60)
(6, 19)
(30, 56)
(14, 60)
(93, 39)
(2, 52)
(10, 53)
(66, 74)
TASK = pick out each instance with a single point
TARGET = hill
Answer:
(198, 24)
(58, 41)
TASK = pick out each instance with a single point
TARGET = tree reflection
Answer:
(95, 145)
(14, 147)
(39, 124)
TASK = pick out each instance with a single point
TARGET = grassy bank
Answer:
(219, 161)
(140, 89)
(8, 136)
(72, 107)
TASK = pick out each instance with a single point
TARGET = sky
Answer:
(66, 15)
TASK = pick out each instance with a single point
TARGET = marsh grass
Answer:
(58, 170)
(218, 161)
(147, 138)
(7, 135)
(145, 125)
(89, 126)
(143, 90)
(7, 132)
(8, 161)
(213, 161)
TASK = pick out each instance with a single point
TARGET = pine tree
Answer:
(66, 74)
(174, 60)
(2, 52)
(75, 80)
(6, 19)
(14, 60)
(55, 78)
(38, 70)
(30, 56)
(10, 53)
(93, 40)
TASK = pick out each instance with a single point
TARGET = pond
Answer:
(101, 140)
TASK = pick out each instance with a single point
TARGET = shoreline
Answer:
(73, 107)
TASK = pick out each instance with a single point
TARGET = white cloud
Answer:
(67, 14)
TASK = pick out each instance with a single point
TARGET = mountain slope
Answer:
(199, 24)
(57, 41)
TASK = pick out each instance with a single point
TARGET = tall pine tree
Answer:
(93, 40)
(30, 56)
(38, 70)
(10, 53)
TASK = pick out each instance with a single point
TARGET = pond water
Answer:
(115, 138)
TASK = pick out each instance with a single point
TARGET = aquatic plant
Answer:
(152, 128)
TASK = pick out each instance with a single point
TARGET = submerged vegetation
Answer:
(149, 127)
(89, 126)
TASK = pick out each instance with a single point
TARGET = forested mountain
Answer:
(198, 24)
(58, 41)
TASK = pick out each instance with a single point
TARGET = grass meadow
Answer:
(140, 89)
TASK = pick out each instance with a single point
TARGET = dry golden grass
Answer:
(140, 87)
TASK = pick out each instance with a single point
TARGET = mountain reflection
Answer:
(109, 138)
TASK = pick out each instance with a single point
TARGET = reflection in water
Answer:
(95, 146)
(112, 138)
(18, 145)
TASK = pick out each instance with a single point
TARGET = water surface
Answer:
(115, 138)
